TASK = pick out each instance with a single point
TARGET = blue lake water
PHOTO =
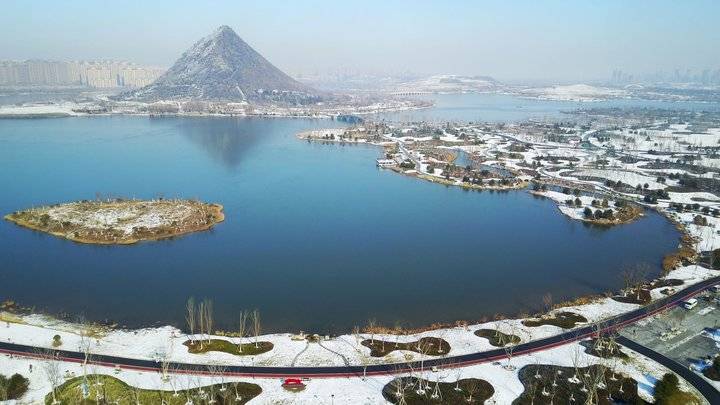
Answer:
(316, 237)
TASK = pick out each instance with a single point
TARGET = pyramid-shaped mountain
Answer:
(219, 67)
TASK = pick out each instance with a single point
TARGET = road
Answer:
(607, 326)
(704, 387)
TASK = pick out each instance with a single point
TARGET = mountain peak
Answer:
(224, 28)
(220, 67)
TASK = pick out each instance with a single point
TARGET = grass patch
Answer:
(10, 318)
(565, 320)
(105, 389)
(220, 345)
(497, 338)
(546, 384)
(416, 391)
(428, 345)
(603, 348)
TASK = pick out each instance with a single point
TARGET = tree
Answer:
(51, 371)
(190, 317)
(201, 321)
(256, 325)
(666, 389)
(208, 318)
(242, 329)
(547, 302)
(13, 387)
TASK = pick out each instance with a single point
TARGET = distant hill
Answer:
(222, 67)
(451, 84)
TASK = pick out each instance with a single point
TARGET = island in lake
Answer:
(120, 221)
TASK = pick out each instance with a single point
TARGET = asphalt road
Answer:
(606, 326)
(705, 388)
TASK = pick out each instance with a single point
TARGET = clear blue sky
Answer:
(572, 40)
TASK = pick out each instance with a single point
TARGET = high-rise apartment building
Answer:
(99, 74)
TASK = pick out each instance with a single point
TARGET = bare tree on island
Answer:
(190, 317)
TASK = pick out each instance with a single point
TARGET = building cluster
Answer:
(705, 77)
(98, 74)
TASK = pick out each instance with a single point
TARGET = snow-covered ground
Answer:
(357, 390)
(575, 92)
(40, 109)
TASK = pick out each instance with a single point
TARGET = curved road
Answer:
(606, 326)
(704, 387)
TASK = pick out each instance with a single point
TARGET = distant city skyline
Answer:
(511, 41)
(98, 74)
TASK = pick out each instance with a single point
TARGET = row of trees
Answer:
(599, 214)
(199, 317)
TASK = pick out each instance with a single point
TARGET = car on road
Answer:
(690, 303)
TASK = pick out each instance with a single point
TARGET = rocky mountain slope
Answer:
(222, 67)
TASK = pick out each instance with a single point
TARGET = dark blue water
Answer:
(316, 237)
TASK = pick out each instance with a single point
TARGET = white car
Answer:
(690, 304)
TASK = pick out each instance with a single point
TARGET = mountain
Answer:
(451, 84)
(222, 67)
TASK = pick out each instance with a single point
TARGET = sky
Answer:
(509, 40)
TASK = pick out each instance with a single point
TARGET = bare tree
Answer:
(547, 302)
(471, 387)
(242, 327)
(209, 320)
(372, 324)
(190, 317)
(256, 325)
(51, 370)
(201, 321)
(424, 347)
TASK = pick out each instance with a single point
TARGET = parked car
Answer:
(690, 303)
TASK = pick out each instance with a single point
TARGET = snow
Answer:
(575, 92)
(40, 109)
(358, 390)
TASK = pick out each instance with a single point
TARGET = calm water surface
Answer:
(316, 237)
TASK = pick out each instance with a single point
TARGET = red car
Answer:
(293, 384)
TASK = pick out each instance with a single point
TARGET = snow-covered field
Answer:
(357, 390)
(575, 92)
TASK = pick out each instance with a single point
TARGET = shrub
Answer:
(57, 341)
(14, 387)
(667, 392)
(700, 220)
